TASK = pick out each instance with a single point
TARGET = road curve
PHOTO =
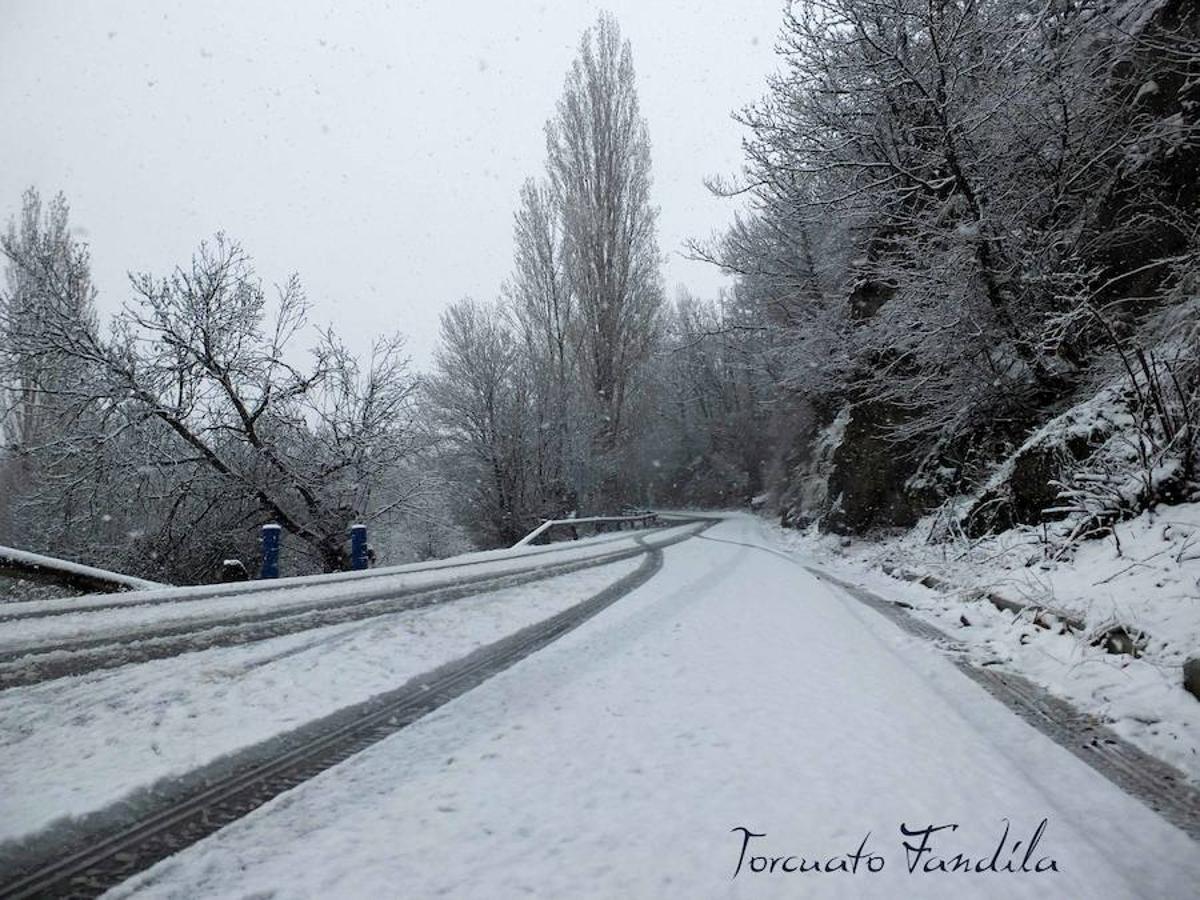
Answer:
(732, 691)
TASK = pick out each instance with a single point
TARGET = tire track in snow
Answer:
(111, 845)
(1148, 779)
(37, 663)
(175, 596)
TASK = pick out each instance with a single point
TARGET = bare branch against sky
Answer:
(377, 150)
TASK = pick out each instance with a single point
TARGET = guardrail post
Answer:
(270, 551)
(358, 546)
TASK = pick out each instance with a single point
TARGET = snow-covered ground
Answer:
(1147, 579)
(75, 745)
(733, 694)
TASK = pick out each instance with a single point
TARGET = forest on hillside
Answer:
(966, 260)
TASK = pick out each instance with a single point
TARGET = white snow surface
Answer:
(732, 690)
(1147, 579)
(75, 745)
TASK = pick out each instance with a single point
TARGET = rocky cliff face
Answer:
(851, 476)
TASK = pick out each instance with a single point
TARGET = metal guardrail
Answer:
(34, 661)
(36, 567)
(597, 525)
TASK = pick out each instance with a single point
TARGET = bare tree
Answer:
(543, 306)
(599, 166)
(212, 417)
(534, 394)
(479, 406)
(708, 441)
(48, 286)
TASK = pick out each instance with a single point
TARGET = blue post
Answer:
(358, 546)
(270, 551)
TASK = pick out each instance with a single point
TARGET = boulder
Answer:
(1023, 490)
(1191, 676)
(233, 570)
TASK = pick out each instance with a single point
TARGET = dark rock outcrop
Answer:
(1025, 488)
(1191, 676)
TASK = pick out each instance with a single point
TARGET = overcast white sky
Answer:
(375, 148)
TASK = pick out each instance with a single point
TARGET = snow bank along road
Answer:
(732, 727)
(44, 640)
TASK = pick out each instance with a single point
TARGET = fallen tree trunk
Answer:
(1115, 638)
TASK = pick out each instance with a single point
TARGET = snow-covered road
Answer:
(733, 695)
(72, 746)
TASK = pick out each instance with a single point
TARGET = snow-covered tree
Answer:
(480, 408)
(598, 161)
(47, 291)
(544, 309)
(200, 420)
(942, 197)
